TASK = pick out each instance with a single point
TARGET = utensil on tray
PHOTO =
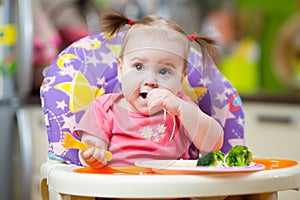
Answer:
(70, 142)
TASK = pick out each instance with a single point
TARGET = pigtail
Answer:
(112, 23)
(209, 48)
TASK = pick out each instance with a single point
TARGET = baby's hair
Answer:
(208, 46)
(113, 23)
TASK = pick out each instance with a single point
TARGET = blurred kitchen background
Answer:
(260, 42)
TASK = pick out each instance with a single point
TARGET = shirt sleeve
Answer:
(97, 119)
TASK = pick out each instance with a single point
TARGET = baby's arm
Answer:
(95, 156)
(205, 132)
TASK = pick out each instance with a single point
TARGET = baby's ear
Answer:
(120, 65)
(184, 74)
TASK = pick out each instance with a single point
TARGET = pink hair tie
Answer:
(192, 37)
(130, 21)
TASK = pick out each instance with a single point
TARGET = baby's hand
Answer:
(94, 156)
(165, 99)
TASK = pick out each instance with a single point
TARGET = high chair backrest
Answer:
(88, 68)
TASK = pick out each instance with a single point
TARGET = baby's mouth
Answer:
(143, 95)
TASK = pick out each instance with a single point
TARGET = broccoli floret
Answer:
(207, 159)
(210, 158)
(238, 156)
(220, 156)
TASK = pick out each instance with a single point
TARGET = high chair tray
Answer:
(61, 178)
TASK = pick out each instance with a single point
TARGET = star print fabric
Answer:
(88, 69)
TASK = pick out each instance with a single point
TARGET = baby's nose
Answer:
(150, 80)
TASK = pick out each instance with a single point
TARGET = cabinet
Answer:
(272, 130)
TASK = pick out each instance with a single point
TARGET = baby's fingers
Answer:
(94, 157)
(155, 98)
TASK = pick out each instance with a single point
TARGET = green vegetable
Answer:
(238, 156)
(210, 159)
(220, 156)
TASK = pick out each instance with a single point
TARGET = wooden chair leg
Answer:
(263, 196)
(44, 190)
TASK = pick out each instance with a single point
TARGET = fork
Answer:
(70, 142)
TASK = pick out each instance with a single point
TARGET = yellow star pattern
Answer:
(114, 48)
(194, 93)
(80, 92)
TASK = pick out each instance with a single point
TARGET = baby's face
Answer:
(145, 69)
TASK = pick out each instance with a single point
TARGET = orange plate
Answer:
(275, 163)
(270, 164)
(115, 170)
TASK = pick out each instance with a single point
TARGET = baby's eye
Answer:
(139, 67)
(165, 71)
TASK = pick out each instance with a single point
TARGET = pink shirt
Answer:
(132, 136)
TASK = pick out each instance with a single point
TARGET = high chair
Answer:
(87, 69)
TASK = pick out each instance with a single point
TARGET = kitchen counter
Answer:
(272, 128)
(289, 98)
(16, 102)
